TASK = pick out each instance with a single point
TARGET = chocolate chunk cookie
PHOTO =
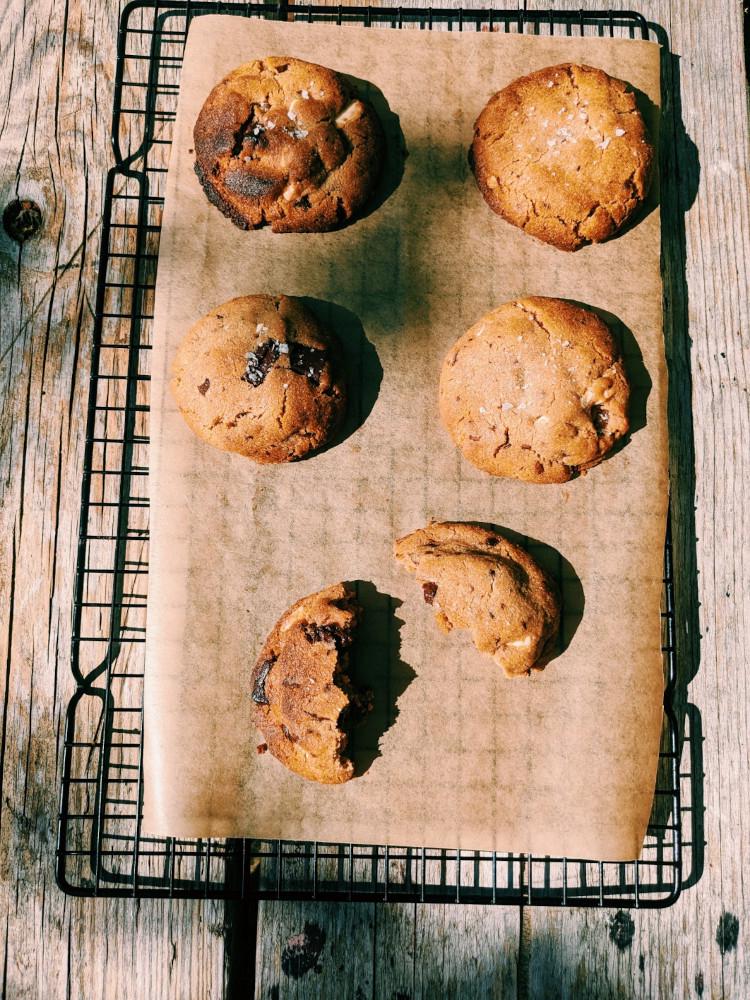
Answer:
(302, 700)
(536, 390)
(563, 153)
(259, 376)
(287, 143)
(478, 580)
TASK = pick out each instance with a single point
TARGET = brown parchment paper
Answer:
(561, 763)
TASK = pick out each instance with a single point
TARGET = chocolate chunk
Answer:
(244, 133)
(204, 387)
(259, 689)
(599, 418)
(331, 635)
(491, 540)
(247, 184)
(261, 748)
(429, 590)
(260, 361)
(308, 361)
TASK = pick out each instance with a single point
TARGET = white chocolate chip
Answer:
(521, 643)
(350, 113)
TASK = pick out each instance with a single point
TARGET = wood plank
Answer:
(315, 951)
(56, 75)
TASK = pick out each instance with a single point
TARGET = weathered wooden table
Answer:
(57, 72)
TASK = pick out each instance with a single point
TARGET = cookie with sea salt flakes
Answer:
(260, 376)
(287, 143)
(536, 390)
(302, 699)
(563, 154)
(478, 580)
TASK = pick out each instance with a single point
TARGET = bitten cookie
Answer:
(287, 143)
(259, 376)
(563, 154)
(480, 581)
(536, 390)
(302, 699)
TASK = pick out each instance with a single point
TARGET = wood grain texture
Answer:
(56, 71)
(56, 84)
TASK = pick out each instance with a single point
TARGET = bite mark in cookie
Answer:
(478, 580)
(302, 698)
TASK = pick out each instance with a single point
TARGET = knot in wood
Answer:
(22, 219)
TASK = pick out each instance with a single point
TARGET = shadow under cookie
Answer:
(635, 370)
(376, 664)
(395, 147)
(362, 368)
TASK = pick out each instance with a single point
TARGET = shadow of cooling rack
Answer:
(100, 848)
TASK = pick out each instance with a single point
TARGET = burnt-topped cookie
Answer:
(302, 699)
(536, 390)
(563, 154)
(476, 579)
(287, 143)
(260, 376)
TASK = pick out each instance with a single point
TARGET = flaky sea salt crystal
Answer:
(604, 143)
(507, 406)
(261, 328)
(619, 131)
(283, 348)
(482, 409)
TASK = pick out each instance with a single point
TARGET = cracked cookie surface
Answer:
(563, 154)
(302, 700)
(477, 580)
(536, 390)
(260, 376)
(287, 143)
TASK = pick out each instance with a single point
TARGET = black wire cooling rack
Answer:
(100, 850)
